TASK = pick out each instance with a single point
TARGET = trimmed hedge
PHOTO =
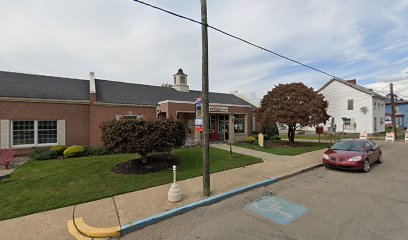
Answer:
(143, 137)
(43, 154)
(74, 151)
(250, 139)
(59, 149)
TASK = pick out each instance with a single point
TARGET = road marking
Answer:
(277, 209)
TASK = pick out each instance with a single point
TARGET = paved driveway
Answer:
(337, 205)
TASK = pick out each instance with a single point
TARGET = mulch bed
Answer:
(150, 164)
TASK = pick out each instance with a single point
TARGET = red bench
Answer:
(6, 157)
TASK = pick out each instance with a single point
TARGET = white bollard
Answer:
(174, 194)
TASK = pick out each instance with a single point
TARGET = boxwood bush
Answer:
(59, 149)
(143, 137)
(74, 151)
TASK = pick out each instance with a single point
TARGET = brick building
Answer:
(42, 111)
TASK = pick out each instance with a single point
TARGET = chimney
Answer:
(92, 88)
(180, 81)
(352, 81)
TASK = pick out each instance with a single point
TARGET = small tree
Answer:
(294, 105)
(143, 137)
(167, 85)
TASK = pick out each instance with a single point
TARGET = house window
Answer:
(350, 104)
(47, 132)
(23, 133)
(375, 106)
(347, 122)
(239, 124)
(34, 133)
(381, 120)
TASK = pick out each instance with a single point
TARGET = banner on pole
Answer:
(198, 115)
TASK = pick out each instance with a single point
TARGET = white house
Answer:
(362, 108)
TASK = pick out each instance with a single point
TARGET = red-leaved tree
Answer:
(294, 105)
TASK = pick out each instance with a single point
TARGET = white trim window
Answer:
(34, 133)
(239, 124)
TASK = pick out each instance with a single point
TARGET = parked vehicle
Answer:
(356, 154)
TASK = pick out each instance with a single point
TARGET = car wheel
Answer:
(366, 167)
(380, 158)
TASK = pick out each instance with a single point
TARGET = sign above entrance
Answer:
(218, 109)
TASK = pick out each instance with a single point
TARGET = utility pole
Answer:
(206, 119)
(394, 125)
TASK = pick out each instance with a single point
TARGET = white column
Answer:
(5, 134)
(61, 136)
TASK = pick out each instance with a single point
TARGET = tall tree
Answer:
(294, 105)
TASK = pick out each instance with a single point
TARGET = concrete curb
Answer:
(131, 227)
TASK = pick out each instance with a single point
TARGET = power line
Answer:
(238, 38)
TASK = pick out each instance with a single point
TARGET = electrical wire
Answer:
(238, 38)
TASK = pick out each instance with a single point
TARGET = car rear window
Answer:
(349, 146)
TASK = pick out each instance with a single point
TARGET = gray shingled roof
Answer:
(19, 85)
(120, 92)
(355, 86)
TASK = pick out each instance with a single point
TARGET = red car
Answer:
(353, 154)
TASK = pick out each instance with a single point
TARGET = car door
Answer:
(376, 149)
(371, 151)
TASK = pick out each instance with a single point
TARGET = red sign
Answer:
(319, 130)
(199, 128)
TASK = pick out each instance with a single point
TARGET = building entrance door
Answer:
(223, 127)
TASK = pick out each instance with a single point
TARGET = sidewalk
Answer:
(17, 162)
(126, 208)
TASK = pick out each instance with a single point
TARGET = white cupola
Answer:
(180, 81)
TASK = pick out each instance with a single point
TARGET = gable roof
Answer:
(19, 85)
(355, 86)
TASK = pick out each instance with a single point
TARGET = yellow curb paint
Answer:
(74, 232)
(96, 232)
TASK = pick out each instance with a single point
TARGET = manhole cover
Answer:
(276, 209)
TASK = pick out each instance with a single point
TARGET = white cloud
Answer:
(126, 41)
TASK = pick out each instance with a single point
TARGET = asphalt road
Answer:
(342, 205)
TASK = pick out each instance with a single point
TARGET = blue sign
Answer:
(277, 209)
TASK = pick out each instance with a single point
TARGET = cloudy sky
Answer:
(125, 41)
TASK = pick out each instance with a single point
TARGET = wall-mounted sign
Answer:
(218, 109)
(198, 115)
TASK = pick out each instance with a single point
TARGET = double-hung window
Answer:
(34, 133)
(239, 124)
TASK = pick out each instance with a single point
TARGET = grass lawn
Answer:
(43, 185)
(280, 148)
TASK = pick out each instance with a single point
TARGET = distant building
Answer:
(361, 108)
(42, 111)
(401, 113)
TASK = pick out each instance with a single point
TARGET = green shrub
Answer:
(271, 129)
(59, 149)
(74, 151)
(89, 151)
(250, 139)
(301, 132)
(143, 137)
(274, 138)
(43, 154)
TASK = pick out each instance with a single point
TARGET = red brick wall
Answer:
(76, 117)
(102, 113)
